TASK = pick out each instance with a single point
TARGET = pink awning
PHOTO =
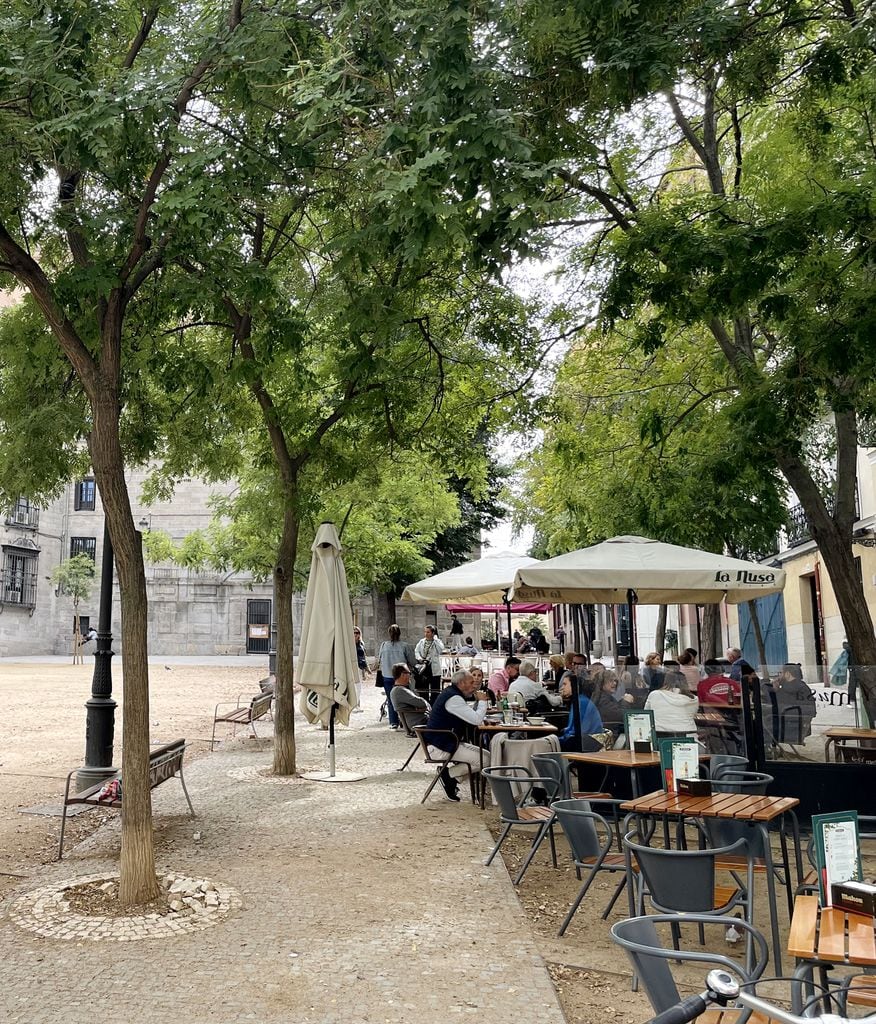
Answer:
(516, 608)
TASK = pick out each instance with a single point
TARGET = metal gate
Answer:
(258, 626)
(771, 615)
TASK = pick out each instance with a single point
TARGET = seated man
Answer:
(591, 722)
(468, 649)
(526, 687)
(403, 698)
(717, 687)
(504, 677)
(452, 711)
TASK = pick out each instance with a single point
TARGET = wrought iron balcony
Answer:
(24, 515)
(797, 529)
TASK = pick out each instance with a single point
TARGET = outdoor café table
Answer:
(837, 735)
(821, 936)
(618, 759)
(486, 731)
(756, 811)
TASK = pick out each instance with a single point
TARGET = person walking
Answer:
(392, 652)
(362, 664)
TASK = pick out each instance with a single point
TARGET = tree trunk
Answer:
(709, 632)
(384, 615)
(758, 639)
(138, 883)
(660, 632)
(284, 588)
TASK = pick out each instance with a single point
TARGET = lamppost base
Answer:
(91, 775)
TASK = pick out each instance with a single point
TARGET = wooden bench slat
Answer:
(832, 935)
(801, 938)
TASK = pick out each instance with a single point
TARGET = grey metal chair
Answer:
(425, 735)
(514, 811)
(639, 939)
(407, 720)
(717, 763)
(557, 766)
(590, 851)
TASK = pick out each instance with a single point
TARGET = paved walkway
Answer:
(358, 904)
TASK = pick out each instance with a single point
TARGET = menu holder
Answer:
(837, 851)
(640, 732)
(679, 759)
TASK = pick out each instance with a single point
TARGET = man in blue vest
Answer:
(452, 711)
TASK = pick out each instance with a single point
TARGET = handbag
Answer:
(378, 675)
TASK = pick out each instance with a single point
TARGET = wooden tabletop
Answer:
(844, 732)
(621, 758)
(720, 805)
(831, 934)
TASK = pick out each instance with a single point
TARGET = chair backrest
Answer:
(556, 767)
(578, 823)
(734, 780)
(502, 786)
(682, 881)
(411, 718)
(426, 736)
(717, 762)
(638, 937)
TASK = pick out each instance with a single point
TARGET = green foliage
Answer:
(76, 576)
(532, 622)
(649, 444)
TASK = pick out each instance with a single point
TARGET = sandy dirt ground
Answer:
(44, 738)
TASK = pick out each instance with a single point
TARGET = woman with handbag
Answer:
(428, 656)
(392, 652)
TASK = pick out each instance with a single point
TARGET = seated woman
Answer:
(605, 698)
(591, 721)
(796, 705)
(674, 706)
(633, 687)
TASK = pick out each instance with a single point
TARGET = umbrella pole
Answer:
(631, 601)
(331, 743)
(508, 612)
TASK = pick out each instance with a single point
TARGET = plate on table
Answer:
(493, 719)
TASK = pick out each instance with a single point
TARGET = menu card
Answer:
(679, 759)
(639, 728)
(837, 851)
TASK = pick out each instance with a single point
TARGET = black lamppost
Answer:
(100, 718)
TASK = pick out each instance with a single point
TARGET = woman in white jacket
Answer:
(674, 706)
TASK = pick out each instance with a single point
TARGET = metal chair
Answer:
(514, 811)
(717, 763)
(580, 826)
(405, 717)
(639, 939)
(557, 766)
(424, 735)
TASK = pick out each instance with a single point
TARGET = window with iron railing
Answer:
(83, 546)
(798, 530)
(24, 513)
(18, 581)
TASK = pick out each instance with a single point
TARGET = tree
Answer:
(725, 182)
(135, 144)
(76, 576)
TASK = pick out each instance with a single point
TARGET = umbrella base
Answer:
(328, 777)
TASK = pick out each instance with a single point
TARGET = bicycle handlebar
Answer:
(687, 1010)
(722, 988)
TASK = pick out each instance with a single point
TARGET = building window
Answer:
(83, 496)
(83, 546)
(18, 582)
(24, 513)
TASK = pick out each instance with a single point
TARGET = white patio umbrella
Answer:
(656, 573)
(485, 580)
(326, 666)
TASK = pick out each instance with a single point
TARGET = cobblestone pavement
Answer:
(358, 904)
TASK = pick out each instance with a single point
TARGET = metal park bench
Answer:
(242, 713)
(165, 762)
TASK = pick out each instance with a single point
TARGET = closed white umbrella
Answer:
(657, 573)
(326, 666)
